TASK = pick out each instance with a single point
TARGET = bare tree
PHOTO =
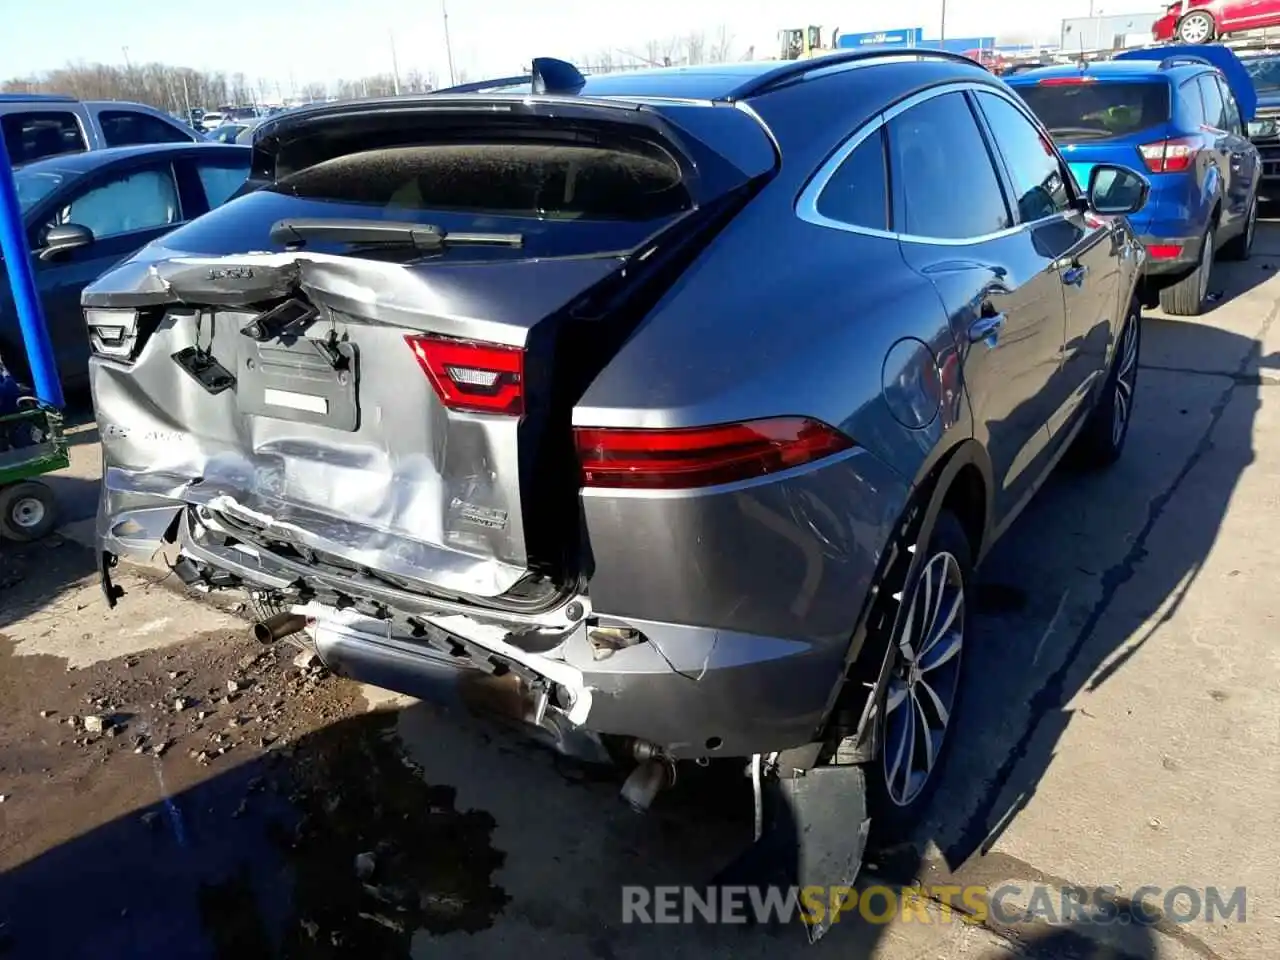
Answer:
(721, 47)
(695, 48)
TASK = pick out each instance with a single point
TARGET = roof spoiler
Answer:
(1214, 54)
(549, 76)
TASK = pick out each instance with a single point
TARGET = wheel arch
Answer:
(960, 481)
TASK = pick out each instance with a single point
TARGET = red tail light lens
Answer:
(1163, 251)
(1065, 81)
(472, 376)
(678, 459)
(1170, 156)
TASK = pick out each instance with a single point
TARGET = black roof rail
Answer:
(549, 76)
(798, 68)
(1181, 59)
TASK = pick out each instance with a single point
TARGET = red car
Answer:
(1199, 21)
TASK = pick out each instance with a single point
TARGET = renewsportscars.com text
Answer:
(1007, 903)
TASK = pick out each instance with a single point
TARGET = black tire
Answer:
(1240, 246)
(27, 511)
(1101, 439)
(895, 805)
(1186, 298)
(1190, 26)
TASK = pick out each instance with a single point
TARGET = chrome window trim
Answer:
(806, 207)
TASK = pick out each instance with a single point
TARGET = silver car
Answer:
(585, 394)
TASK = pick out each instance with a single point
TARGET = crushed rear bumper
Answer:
(691, 691)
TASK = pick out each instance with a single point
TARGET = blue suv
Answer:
(1181, 116)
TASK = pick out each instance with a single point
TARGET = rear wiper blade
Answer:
(296, 232)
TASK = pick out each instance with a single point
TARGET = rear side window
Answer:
(1191, 103)
(552, 181)
(221, 181)
(945, 185)
(1092, 110)
(46, 133)
(858, 192)
(122, 128)
(1215, 111)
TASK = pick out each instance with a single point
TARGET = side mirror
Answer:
(60, 239)
(1114, 189)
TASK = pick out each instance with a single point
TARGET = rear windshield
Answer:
(546, 181)
(1264, 72)
(1077, 112)
(244, 224)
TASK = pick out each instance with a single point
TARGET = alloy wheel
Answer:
(1251, 226)
(1126, 382)
(922, 689)
(1195, 29)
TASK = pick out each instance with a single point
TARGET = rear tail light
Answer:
(1170, 156)
(112, 333)
(1065, 81)
(685, 457)
(1163, 251)
(472, 376)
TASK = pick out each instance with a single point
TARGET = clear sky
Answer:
(326, 40)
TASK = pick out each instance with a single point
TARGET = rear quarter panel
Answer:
(778, 317)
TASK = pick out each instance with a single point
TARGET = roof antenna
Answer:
(556, 76)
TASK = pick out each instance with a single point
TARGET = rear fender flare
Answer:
(1210, 197)
(868, 661)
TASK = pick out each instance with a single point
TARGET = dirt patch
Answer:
(220, 793)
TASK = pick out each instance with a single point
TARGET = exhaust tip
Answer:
(278, 627)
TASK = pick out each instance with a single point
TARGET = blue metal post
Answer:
(22, 281)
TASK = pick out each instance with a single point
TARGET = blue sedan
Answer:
(86, 212)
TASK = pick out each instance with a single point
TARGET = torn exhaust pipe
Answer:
(278, 627)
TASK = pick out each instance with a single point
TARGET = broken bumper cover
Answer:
(693, 691)
(733, 705)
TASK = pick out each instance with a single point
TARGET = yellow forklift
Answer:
(803, 43)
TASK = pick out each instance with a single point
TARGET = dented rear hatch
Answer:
(369, 363)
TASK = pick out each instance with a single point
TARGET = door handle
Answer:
(1074, 276)
(986, 327)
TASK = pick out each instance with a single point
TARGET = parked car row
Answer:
(38, 125)
(1181, 113)
(85, 212)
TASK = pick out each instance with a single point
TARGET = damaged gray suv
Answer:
(677, 405)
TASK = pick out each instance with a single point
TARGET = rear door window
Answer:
(1040, 188)
(32, 135)
(952, 193)
(139, 200)
(121, 128)
(858, 192)
(1080, 111)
